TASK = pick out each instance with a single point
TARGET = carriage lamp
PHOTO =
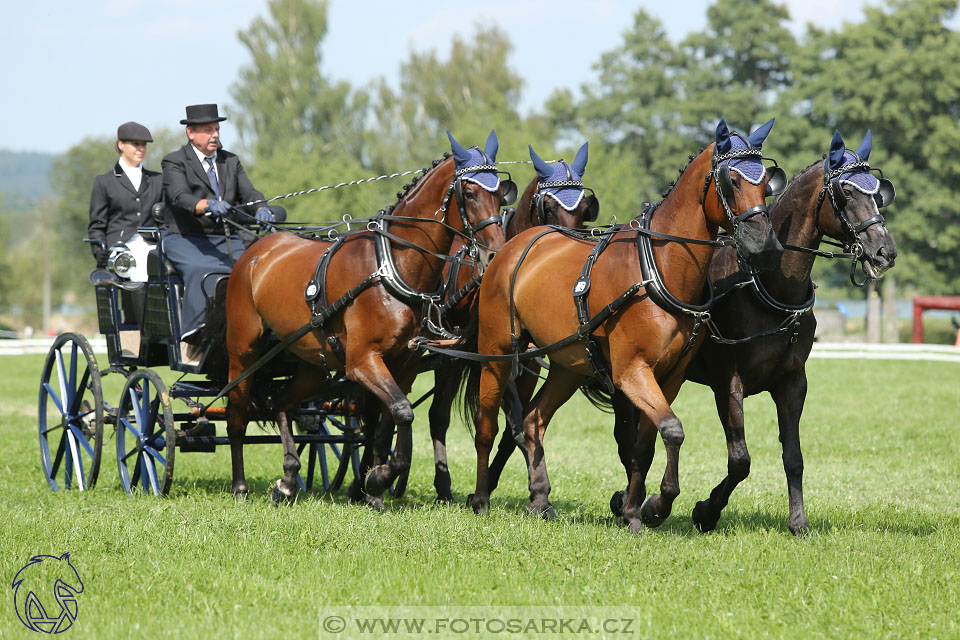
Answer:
(121, 260)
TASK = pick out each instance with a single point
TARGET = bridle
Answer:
(508, 193)
(838, 199)
(723, 186)
(833, 189)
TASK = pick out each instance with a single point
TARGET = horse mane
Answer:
(673, 183)
(409, 186)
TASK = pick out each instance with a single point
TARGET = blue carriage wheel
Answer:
(146, 435)
(70, 414)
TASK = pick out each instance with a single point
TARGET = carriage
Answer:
(151, 421)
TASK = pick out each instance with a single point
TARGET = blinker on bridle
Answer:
(508, 194)
(720, 173)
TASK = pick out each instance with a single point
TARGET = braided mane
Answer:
(672, 184)
(407, 187)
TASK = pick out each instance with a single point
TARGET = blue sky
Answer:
(77, 69)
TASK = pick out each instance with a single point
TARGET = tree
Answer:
(302, 129)
(470, 93)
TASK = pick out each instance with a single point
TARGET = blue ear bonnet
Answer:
(859, 176)
(485, 174)
(570, 196)
(560, 180)
(751, 167)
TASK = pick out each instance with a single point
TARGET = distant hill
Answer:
(23, 177)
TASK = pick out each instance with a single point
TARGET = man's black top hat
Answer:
(133, 132)
(202, 114)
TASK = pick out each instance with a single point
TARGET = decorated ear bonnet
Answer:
(844, 166)
(563, 182)
(735, 152)
(479, 167)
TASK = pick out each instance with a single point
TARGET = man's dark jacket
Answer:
(185, 183)
(117, 209)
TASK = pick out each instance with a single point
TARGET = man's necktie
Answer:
(212, 177)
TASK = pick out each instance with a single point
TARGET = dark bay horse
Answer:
(377, 283)
(554, 196)
(526, 294)
(838, 198)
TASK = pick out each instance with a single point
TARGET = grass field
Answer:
(882, 489)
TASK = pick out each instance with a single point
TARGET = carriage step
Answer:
(202, 431)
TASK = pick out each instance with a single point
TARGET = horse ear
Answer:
(837, 147)
(723, 137)
(490, 149)
(580, 162)
(864, 149)
(461, 155)
(543, 169)
(757, 137)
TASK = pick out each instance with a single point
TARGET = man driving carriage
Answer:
(203, 185)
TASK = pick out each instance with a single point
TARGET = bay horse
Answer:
(645, 347)
(555, 195)
(375, 287)
(766, 329)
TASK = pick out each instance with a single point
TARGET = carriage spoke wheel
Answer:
(146, 437)
(70, 414)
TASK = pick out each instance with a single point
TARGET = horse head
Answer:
(479, 193)
(742, 183)
(557, 195)
(856, 197)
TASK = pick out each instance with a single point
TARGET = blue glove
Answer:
(264, 215)
(219, 208)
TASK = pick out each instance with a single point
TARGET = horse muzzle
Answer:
(756, 242)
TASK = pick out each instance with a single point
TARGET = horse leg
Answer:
(445, 385)
(512, 437)
(560, 385)
(641, 387)
(373, 374)
(370, 422)
(636, 454)
(730, 409)
(789, 395)
(304, 382)
(238, 413)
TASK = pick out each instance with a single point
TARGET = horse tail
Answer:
(596, 392)
(213, 337)
(469, 373)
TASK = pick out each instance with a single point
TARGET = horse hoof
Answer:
(648, 512)
(239, 491)
(544, 511)
(617, 502)
(377, 480)
(801, 528)
(446, 500)
(281, 494)
(635, 526)
(375, 503)
(701, 518)
(480, 507)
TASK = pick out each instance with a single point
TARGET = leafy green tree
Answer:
(304, 131)
(471, 92)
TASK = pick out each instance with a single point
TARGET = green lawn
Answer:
(882, 487)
